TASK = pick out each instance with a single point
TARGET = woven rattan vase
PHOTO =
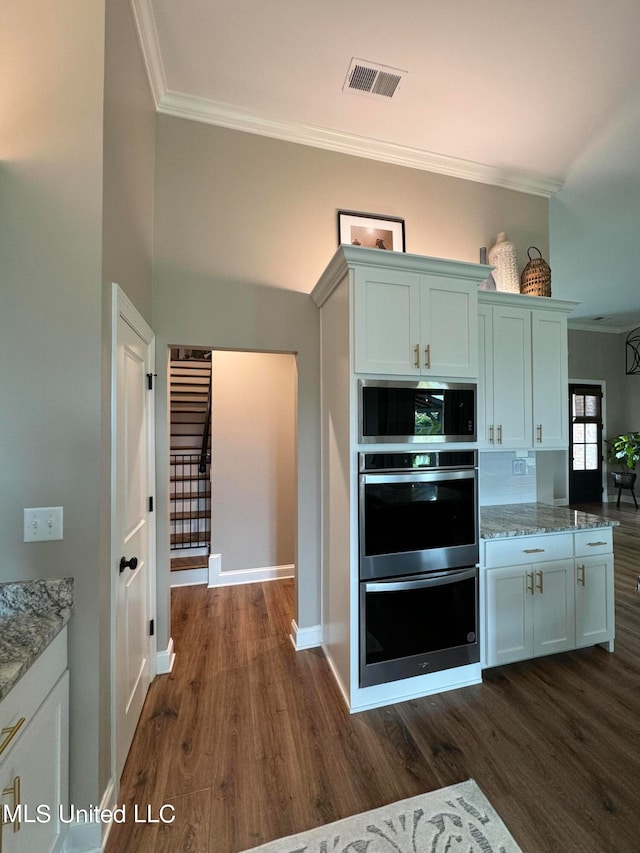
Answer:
(536, 276)
(503, 257)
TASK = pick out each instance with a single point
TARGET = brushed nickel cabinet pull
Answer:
(581, 575)
(530, 583)
(491, 434)
(427, 356)
(416, 350)
(499, 433)
(594, 544)
(533, 551)
(539, 431)
(540, 584)
(10, 732)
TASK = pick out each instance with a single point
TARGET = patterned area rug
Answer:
(458, 819)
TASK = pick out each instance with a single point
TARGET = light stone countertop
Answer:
(32, 614)
(500, 522)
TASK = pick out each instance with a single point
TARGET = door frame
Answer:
(603, 384)
(122, 307)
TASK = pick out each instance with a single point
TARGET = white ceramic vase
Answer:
(503, 257)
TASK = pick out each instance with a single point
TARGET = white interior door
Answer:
(133, 540)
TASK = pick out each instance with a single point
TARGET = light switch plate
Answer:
(43, 524)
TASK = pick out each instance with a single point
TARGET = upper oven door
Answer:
(404, 412)
(417, 522)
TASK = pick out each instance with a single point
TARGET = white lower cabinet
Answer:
(530, 611)
(34, 764)
(594, 601)
(538, 607)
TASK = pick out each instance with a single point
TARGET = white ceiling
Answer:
(506, 92)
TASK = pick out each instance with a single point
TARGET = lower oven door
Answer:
(417, 625)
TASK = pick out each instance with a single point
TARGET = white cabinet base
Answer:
(546, 594)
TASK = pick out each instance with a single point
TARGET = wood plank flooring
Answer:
(249, 740)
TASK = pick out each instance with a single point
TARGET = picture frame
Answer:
(370, 230)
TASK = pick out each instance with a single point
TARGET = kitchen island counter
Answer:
(529, 519)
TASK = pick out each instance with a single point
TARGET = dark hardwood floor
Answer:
(249, 740)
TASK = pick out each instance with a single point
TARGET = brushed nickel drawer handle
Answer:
(533, 551)
(10, 732)
(594, 544)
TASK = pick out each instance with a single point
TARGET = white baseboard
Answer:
(84, 837)
(267, 573)
(165, 659)
(189, 577)
(305, 638)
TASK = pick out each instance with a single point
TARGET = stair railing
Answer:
(204, 450)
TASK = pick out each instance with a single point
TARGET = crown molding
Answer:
(578, 325)
(236, 118)
(150, 47)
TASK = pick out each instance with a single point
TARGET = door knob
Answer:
(132, 563)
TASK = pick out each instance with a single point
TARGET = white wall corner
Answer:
(305, 638)
(165, 659)
(91, 836)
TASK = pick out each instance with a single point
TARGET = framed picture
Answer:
(371, 231)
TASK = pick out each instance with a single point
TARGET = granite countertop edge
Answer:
(32, 614)
(510, 520)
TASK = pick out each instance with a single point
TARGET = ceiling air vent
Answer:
(369, 78)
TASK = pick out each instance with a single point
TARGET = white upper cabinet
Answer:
(387, 321)
(550, 380)
(523, 384)
(407, 324)
(449, 328)
(504, 392)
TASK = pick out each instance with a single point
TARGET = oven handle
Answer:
(436, 476)
(436, 579)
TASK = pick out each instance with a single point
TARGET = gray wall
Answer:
(51, 62)
(253, 460)
(54, 329)
(245, 225)
(600, 355)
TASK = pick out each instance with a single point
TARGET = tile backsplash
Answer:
(507, 478)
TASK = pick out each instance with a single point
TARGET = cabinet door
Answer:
(511, 366)
(387, 322)
(486, 431)
(553, 607)
(449, 327)
(509, 622)
(550, 379)
(35, 773)
(594, 600)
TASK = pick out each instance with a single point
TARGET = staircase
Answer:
(190, 462)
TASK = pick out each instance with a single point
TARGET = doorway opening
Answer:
(241, 480)
(585, 442)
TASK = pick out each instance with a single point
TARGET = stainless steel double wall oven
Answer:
(418, 545)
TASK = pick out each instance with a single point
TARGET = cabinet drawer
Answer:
(597, 541)
(21, 703)
(519, 550)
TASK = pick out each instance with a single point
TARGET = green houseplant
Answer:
(624, 451)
